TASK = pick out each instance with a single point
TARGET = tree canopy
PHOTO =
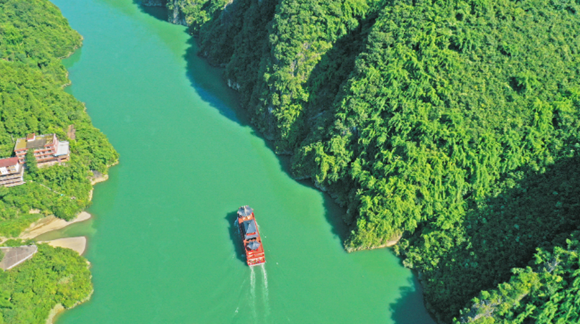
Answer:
(34, 36)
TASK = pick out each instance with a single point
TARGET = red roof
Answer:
(8, 162)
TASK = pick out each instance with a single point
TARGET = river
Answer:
(161, 243)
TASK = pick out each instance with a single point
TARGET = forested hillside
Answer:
(455, 125)
(34, 36)
(547, 291)
(53, 276)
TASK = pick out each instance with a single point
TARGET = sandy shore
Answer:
(57, 309)
(77, 244)
(50, 223)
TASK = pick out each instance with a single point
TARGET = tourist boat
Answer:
(250, 236)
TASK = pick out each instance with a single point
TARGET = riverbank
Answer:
(77, 244)
(49, 224)
(97, 178)
(59, 309)
(52, 223)
(46, 224)
(389, 243)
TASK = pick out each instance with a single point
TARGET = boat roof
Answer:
(245, 211)
(250, 226)
(254, 245)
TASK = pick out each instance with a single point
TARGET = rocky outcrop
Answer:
(387, 243)
(176, 16)
(232, 84)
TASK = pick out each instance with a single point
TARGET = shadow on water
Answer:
(409, 308)
(334, 215)
(211, 88)
(208, 81)
(235, 236)
(159, 12)
(205, 79)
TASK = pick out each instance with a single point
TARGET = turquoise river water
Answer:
(161, 243)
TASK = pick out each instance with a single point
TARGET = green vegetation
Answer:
(53, 276)
(456, 125)
(545, 293)
(34, 36)
(36, 33)
(31, 163)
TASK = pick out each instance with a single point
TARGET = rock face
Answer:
(14, 256)
(176, 16)
(232, 84)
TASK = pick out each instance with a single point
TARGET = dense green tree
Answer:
(545, 292)
(31, 164)
(53, 276)
(34, 36)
